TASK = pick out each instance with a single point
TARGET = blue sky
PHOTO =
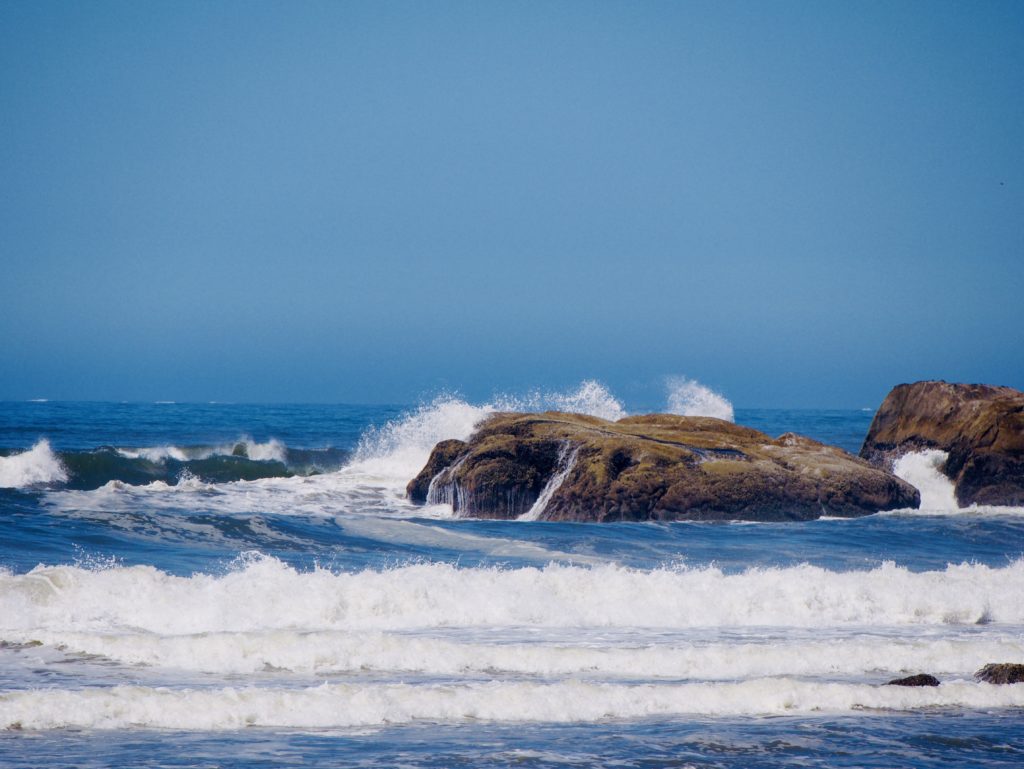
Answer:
(799, 204)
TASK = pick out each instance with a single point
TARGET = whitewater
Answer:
(219, 584)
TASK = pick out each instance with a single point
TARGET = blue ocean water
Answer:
(245, 585)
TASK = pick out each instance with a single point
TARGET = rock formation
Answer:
(921, 679)
(1001, 673)
(980, 426)
(571, 467)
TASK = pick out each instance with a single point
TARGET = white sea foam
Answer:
(265, 594)
(38, 465)
(689, 398)
(339, 705)
(401, 447)
(348, 652)
(922, 469)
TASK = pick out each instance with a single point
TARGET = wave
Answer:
(265, 594)
(345, 652)
(243, 460)
(343, 705)
(689, 398)
(270, 451)
(36, 467)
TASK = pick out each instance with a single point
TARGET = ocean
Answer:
(238, 585)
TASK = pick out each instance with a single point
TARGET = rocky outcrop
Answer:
(921, 679)
(571, 467)
(1001, 673)
(981, 427)
(444, 455)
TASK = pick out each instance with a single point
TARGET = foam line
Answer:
(345, 652)
(344, 705)
(266, 594)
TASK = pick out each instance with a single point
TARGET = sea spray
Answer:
(689, 398)
(400, 448)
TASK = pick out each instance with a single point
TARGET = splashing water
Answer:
(591, 398)
(922, 469)
(689, 398)
(400, 448)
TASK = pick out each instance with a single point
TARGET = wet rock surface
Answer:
(571, 467)
(1001, 673)
(980, 426)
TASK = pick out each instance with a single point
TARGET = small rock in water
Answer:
(1001, 673)
(921, 679)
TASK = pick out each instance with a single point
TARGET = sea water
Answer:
(246, 585)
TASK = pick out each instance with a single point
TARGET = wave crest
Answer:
(35, 467)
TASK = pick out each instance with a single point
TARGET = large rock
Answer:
(1001, 673)
(556, 466)
(980, 426)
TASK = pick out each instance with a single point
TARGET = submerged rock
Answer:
(981, 427)
(921, 679)
(1001, 673)
(572, 467)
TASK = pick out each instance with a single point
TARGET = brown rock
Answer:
(658, 466)
(443, 454)
(921, 679)
(980, 426)
(1001, 673)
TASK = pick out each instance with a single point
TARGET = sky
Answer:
(800, 204)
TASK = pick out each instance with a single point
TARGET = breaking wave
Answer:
(340, 705)
(244, 460)
(400, 448)
(36, 467)
(386, 456)
(266, 594)
(270, 451)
